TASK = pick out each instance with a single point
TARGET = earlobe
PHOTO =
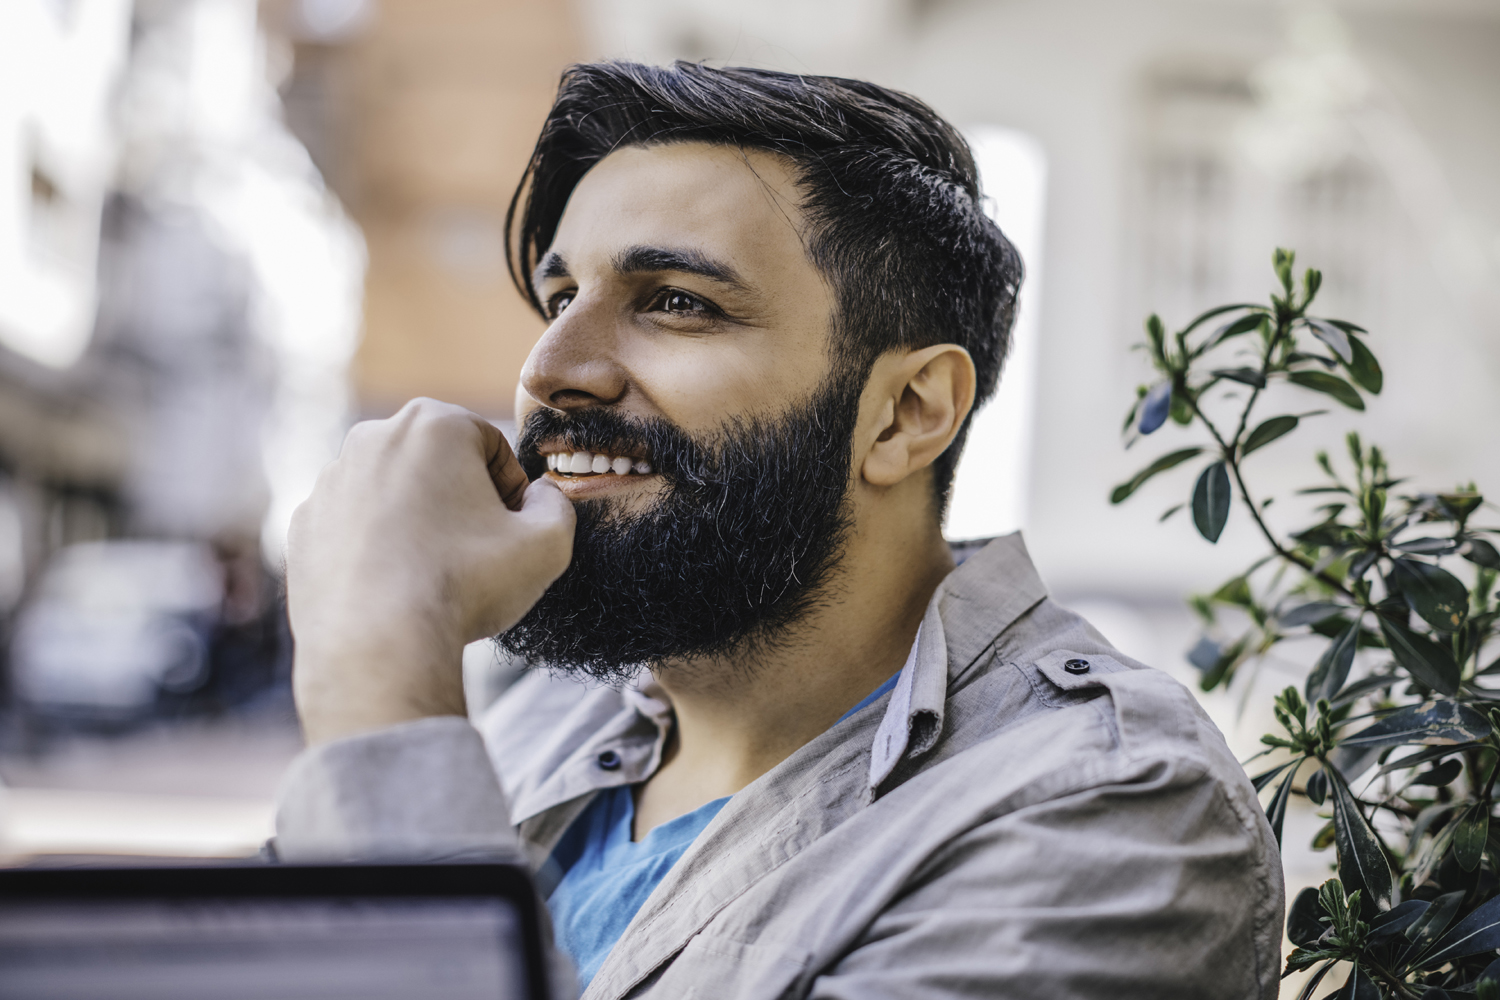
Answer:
(923, 398)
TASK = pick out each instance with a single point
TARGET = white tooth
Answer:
(600, 463)
(643, 467)
(552, 462)
(621, 465)
(582, 462)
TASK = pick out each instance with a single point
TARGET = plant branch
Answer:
(1234, 467)
(1392, 980)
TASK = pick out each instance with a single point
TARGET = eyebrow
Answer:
(551, 266)
(648, 259)
(645, 259)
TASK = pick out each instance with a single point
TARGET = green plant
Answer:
(1399, 684)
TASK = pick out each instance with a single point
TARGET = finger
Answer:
(504, 468)
(545, 505)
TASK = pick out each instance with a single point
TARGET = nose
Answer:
(575, 364)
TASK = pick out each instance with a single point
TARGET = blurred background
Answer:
(228, 229)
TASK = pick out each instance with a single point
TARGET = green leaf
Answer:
(1330, 385)
(1282, 261)
(1426, 929)
(1332, 669)
(1435, 722)
(1160, 465)
(1211, 501)
(1468, 842)
(1362, 687)
(1236, 591)
(1228, 657)
(1362, 863)
(1426, 546)
(1245, 376)
(1476, 933)
(1434, 593)
(1390, 924)
(1441, 775)
(1232, 329)
(1303, 928)
(1336, 339)
(1276, 812)
(1307, 614)
(1424, 659)
(1312, 280)
(1181, 410)
(1202, 318)
(1267, 432)
(1363, 368)
(1157, 335)
(1422, 757)
(1170, 511)
(1482, 553)
(1317, 786)
(1359, 986)
(1260, 781)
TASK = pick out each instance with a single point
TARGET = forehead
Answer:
(736, 204)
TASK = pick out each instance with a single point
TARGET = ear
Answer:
(917, 401)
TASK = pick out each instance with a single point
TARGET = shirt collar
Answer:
(973, 605)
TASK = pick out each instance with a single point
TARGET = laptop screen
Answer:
(256, 947)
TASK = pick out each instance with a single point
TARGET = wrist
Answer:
(348, 681)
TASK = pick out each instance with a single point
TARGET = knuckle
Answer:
(362, 434)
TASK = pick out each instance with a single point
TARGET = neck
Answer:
(738, 717)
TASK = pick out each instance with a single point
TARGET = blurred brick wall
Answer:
(422, 121)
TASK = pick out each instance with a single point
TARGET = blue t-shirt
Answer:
(607, 877)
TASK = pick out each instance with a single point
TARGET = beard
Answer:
(738, 546)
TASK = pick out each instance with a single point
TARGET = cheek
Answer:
(696, 384)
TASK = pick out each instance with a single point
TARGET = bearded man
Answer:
(773, 741)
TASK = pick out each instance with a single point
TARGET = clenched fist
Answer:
(422, 536)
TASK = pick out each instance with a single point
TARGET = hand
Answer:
(422, 536)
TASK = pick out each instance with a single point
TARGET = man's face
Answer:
(680, 290)
(683, 398)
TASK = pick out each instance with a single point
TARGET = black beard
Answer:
(738, 546)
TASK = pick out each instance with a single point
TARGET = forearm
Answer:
(421, 789)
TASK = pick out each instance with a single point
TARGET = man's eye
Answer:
(558, 303)
(674, 301)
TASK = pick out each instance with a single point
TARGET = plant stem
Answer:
(1234, 467)
(1392, 980)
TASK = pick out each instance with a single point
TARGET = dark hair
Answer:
(892, 199)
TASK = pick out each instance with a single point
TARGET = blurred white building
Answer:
(179, 294)
(1183, 140)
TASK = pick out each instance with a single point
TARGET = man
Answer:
(775, 744)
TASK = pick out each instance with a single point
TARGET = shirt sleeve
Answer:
(421, 790)
(1156, 889)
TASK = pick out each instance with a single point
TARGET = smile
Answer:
(588, 463)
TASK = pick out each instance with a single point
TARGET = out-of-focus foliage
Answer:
(1394, 733)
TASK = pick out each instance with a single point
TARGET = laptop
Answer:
(271, 932)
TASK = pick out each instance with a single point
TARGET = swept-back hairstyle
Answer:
(891, 198)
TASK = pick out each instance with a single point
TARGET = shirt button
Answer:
(609, 760)
(1076, 666)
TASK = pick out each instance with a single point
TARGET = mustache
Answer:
(673, 453)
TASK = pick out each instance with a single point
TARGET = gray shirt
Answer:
(1028, 813)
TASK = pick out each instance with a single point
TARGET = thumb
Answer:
(547, 520)
(544, 506)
